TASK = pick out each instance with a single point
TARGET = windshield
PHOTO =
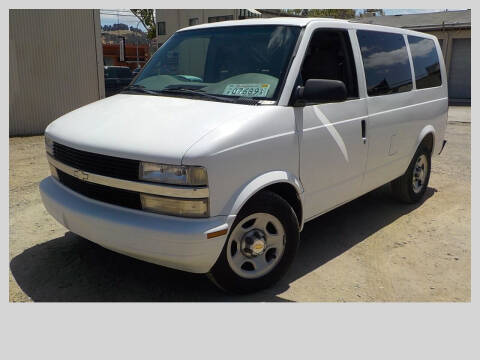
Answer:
(230, 62)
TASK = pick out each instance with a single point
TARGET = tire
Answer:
(260, 247)
(404, 188)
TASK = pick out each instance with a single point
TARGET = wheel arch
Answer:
(427, 137)
(282, 183)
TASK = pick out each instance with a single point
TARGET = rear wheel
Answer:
(411, 186)
(261, 245)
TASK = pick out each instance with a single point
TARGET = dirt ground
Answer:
(372, 249)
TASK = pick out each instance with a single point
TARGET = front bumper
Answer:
(179, 243)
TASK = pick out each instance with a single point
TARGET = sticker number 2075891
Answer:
(248, 90)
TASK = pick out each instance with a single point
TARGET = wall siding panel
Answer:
(54, 66)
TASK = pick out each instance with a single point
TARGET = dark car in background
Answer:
(116, 79)
(136, 71)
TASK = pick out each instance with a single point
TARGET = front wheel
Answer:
(411, 186)
(261, 245)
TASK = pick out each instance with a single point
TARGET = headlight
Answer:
(49, 146)
(175, 206)
(173, 174)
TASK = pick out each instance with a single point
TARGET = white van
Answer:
(237, 133)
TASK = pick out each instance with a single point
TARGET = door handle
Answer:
(364, 131)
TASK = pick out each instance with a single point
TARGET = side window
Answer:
(386, 63)
(329, 56)
(193, 21)
(161, 28)
(425, 62)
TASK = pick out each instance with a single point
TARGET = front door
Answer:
(333, 144)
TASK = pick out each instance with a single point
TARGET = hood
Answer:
(143, 127)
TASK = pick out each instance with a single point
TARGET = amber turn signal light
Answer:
(216, 233)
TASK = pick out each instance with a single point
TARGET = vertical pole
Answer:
(136, 36)
(99, 53)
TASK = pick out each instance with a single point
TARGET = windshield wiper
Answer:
(197, 92)
(140, 89)
(186, 90)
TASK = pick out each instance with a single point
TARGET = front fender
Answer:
(243, 194)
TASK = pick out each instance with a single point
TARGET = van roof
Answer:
(301, 21)
(295, 21)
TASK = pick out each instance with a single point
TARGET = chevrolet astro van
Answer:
(237, 133)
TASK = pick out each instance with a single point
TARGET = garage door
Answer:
(459, 78)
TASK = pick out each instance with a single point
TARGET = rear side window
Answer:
(425, 62)
(386, 63)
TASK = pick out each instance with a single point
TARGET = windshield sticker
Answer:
(248, 90)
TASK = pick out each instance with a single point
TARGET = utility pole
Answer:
(136, 37)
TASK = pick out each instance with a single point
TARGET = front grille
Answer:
(96, 163)
(103, 193)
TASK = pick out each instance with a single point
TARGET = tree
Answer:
(328, 13)
(146, 16)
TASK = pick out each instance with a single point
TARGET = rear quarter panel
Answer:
(409, 117)
(430, 108)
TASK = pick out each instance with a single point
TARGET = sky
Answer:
(113, 16)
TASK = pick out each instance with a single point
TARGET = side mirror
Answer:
(320, 91)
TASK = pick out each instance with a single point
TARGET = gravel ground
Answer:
(372, 249)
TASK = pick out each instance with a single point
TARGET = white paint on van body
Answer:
(317, 149)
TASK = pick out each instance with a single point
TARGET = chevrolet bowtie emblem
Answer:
(79, 174)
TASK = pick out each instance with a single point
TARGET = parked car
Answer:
(116, 79)
(235, 134)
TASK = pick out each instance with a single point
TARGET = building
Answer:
(453, 30)
(171, 20)
(133, 55)
(55, 66)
